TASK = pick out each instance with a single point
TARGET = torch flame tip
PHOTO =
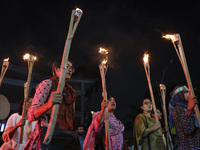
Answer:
(145, 58)
(6, 59)
(103, 51)
(168, 36)
(27, 56)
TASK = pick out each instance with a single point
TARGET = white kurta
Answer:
(14, 142)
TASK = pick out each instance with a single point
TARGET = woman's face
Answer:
(147, 106)
(69, 70)
(186, 95)
(111, 104)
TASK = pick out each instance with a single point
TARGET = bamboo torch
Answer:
(103, 69)
(169, 144)
(4, 69)
(176, 40)
(75, 18)
(30, 59)
(147, 71)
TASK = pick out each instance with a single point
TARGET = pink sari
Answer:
(116, 133)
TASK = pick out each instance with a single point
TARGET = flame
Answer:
(104, 61)
(34, 58)
(145, 58)
(7, 59)
(103, 51)
(92, 112)
(27, 56)
(169, 36)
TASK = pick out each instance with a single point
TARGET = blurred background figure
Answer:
(12, 130)
(81, 134)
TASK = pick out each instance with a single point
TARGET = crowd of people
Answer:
(148, 133)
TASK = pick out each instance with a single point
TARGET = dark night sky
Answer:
(126, 28)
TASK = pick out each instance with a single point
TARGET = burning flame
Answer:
(145, 58)
(92, 112)
(27, 56)
(103, 51)
(169, 36)
(104, 61)
(7, 59)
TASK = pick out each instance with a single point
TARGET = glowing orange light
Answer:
(169, 36)
(146, 58)
(104, 61)
(103, 51)
(92, 112)
(27, 56)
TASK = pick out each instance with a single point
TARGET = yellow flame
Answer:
(103, 51)
(7, 59)
(146, 58)
(27, 56)
(169, 36)
(92, 112)
(104, 61)
(34, 57)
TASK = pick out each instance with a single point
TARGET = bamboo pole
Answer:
(75, 18)
(4, 69)
(31, 59)
(103, 69)
(187, 74)
(176, 39)
(169, 144)
(147, 71)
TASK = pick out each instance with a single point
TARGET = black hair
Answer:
(109, 96)
(80, 125)
(57, 64)
(141, 104)
(20, 109)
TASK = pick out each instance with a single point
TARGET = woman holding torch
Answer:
(146, 134)
(12, 130)
(45, 98)
(95, 138)
(182, 117)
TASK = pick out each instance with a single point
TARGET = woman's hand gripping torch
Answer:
(75, 18)
(30, 59)
(103, 69)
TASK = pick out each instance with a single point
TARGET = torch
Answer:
(103, 69)
(75, 18)
(176, 40)
(167, 135)
(30, 59)
(147, 71)
(4, 69)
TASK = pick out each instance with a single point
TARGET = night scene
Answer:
(99, 75)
